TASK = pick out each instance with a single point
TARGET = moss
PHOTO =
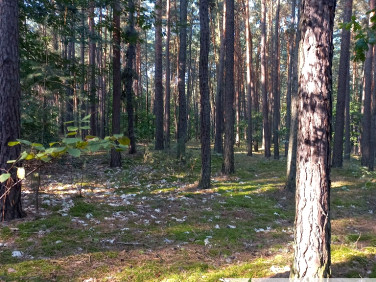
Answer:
(5, 233)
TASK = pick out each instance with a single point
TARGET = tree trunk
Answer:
(205, 99)
(130, 55)
(116, 97)
(344, 66)
(92, 47)
(10, 96)
(158, 99)
(167, 107)
(312, 220)
(182, 120)
(291, 156)
(228, 148)
(265, 105)
(276, 86)
(218, 141)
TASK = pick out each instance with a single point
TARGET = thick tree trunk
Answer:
(130, 55)
(344, 66)
(312, 220)
(116, 97)
(182, 120)
(10, 96)
(158, 99)
(228, 148)
(265, 104)
(167, 107)
(205, 99)
(276, 86)
(218, 140)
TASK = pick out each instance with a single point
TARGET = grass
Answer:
(149, 222)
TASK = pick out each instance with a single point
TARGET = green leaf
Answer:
(23, 155)
(94, 147)
(13, 143)
(72, 128)
(86, 117)
(69, 122)
(72, 133)
(53, 143)
(85, 127)
(124, 141)
(30, 156)
(4, 177)
(74, 152)
(11, 161)
(38, 146)
(117, 136)
(24, 142)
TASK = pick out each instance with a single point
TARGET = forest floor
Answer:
(149, 222)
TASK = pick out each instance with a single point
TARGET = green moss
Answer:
(5, 233)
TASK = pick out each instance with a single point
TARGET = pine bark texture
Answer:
(10, 95)
(343, 84)
(182, 121)
(167, 106)
(228, 148)
(116, 82)
(276, 85)
(158, 99)
(204, 95)
(312, 221)
(250, 88)
(92, 67)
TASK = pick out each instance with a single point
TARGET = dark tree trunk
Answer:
(116, 98)
(265, 105)
(276, 86)
(167, 107)
(92, 47)
(312, 220)
(131, 52)
(218, 140)
(205, 99)
(347, 121)
(344, 66)
(10, 96)
(158, 99)
(228, 148)
(182, 120)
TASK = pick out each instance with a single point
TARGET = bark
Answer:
(265, 105)
(10, 96)
(182, 120)
(116, 96)
(130, 56)
(158, 99)
(347, 121)
(291, 156)
(344, 66)
(373, 116)
(204, 92)
(218, 141)
(92, 51)
(312, 220)
(167, 107)
(276, 86)
(250, 87)
(228, 148)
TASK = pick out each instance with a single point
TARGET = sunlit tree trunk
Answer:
(167, 107)
(92, 51)
(276, 86)
(312, 220)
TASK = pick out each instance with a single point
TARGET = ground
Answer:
(149, 222)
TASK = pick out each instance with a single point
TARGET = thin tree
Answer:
(218, 140)
(182, 120)
(265, 105)
(92, 51)
(167, 106)
(228, 148)
(130, 55)
(158, 98)
(10, 96)
(276, 85)
(312, 220)
(204, 92)
(343, 84)
(116, 81)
